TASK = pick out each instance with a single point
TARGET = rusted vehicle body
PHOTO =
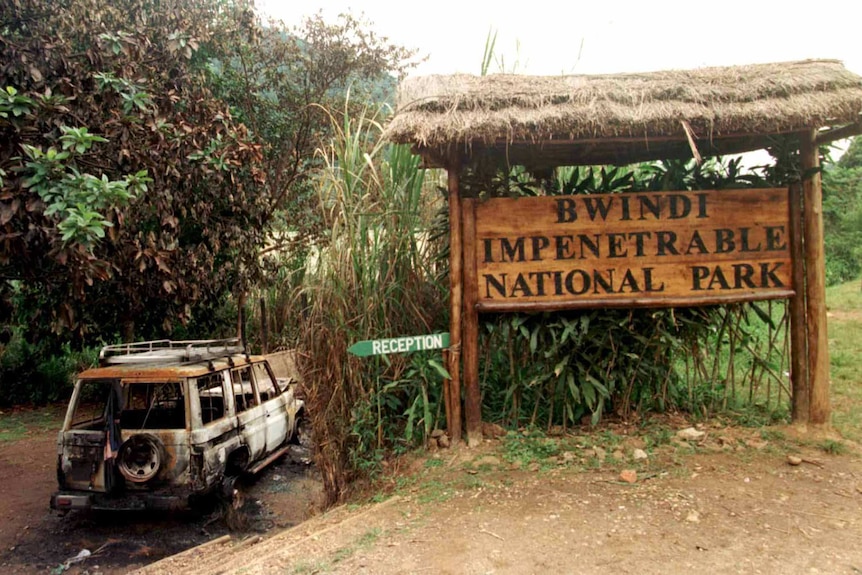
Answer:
(160, 424)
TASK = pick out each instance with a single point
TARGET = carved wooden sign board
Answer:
(635, 249)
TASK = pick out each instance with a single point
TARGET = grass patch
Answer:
(432, 463)
(832, 447)
(529, 447)
(303, 568)
(365, 541)
(775, 435)
(845, 353)
(15, 424)
(434, 492)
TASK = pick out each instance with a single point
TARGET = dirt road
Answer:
(730, 503)
(33, 539)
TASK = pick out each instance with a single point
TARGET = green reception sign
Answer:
(400, 344)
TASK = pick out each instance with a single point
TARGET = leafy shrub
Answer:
(30, 374)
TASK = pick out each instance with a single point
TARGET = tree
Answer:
(284, 83)
(108, 109)
(148, 149)
(842, 215)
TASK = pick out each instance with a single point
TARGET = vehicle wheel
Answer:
(231, 493)
(302, 434)
(140, 458)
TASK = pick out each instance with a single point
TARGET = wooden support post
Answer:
(455, 302)
(470, 336)
(240, 318)
(264, 327)
(447, 402)
(815, 282)
(798, 341)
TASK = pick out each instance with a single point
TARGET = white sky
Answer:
(617, 35)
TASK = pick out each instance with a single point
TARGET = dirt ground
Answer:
(34, 539)
(729, 502)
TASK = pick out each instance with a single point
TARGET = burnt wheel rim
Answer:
(140, 459)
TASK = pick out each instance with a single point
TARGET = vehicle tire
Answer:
(231, 492)
(141, 457)
(302, 434)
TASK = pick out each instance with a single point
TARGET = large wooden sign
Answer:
(634, 249)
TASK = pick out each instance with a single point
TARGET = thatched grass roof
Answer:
(624, 117)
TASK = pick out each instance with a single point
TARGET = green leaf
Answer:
(438, 367)
(764, 317)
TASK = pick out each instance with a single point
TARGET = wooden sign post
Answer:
(626, 250)
(651, 249)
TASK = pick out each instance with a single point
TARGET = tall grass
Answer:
(374, 278)
(845, 355)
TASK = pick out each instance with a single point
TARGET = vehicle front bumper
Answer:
(70, 500)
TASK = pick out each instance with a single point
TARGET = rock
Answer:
(568, 457)
(693, 517)
(690, 434)
(618, 455)
(794, 460)
(629, 475)
(639, 455)
(492, 430)
(437, 433)
(756, 443)
(443, 441)
(726, 442)
(600, 453)
(635, 442)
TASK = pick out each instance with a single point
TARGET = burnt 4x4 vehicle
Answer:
(161, 423)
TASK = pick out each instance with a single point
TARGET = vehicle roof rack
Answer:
(163, 351)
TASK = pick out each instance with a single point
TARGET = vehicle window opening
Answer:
(242, 389)
(89, 413)
(153, 406)
(211, 395)
(265, 383)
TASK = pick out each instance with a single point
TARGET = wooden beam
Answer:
(798, 339)
(531, 307)
(470, 336)
(642, 139)
(455, 301)
(839, 133)
(613, 150)
(815, 281)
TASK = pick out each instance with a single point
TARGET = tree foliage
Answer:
(283, 84)
(122, 139)
(148, 148)
(842, 215)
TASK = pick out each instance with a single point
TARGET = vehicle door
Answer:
(277, 419)
(214, 429)
(250, 414)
